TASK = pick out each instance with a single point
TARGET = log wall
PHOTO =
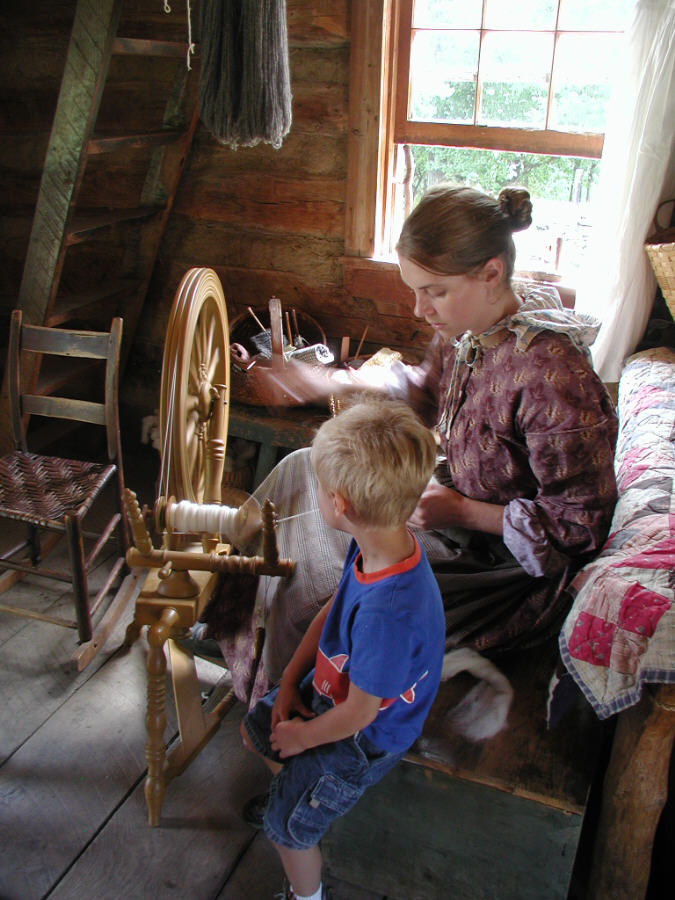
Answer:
(270, 222)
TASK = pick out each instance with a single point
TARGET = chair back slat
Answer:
(63, 342)
(64, 408)
(36, 339)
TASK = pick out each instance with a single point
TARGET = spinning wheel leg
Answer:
(155, 719)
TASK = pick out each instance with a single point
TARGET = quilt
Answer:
(620, 632)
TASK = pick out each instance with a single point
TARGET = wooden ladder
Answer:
(65, 219)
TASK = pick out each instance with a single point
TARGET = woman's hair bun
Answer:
(517, 206)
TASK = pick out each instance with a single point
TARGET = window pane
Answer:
(443, 76)
(447, 13)
(514, 76)
(605, 15)
(525, 14)
(561, 189)
(581, 81)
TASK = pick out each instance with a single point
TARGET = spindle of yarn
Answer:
(238, 525)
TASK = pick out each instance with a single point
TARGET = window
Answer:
(487, 93)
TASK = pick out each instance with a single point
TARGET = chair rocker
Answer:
(51, 495)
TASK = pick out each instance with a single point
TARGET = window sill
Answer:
(367, 276)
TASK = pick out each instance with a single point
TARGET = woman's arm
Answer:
(342, 721)
(442, 507)
(298, 383)
(569, 428)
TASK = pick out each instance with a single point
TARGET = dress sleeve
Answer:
(569, 428)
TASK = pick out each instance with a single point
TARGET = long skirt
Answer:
(491, 603)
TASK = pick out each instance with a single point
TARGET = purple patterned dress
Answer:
(523, 422)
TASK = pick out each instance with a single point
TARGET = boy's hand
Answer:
(286, 738)
(287, 702)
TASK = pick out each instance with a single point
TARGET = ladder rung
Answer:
(65, 308)
(108, 143)
(86, 224)
(140, 47)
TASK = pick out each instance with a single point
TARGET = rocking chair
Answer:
(53, 495)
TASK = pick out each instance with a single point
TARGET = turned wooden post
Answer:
(155, 718)
(634, 793)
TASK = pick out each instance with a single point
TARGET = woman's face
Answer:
(451, 304)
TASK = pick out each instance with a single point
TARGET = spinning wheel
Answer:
(195, 390)
(193, 428)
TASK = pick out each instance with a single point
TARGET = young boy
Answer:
(358, 688)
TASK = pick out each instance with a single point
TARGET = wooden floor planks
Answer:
(73, 820)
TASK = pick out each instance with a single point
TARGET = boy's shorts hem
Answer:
(260, 745)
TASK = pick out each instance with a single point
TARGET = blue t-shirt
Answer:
(386, 633)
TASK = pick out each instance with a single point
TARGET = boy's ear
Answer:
(340, 503)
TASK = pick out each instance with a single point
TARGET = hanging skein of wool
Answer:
(245, 85)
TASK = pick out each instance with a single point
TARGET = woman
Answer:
(525, 492)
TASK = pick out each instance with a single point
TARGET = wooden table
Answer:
(275, 430)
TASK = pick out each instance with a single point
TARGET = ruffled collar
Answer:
(541, 310)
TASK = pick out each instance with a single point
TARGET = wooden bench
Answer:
(497, 819)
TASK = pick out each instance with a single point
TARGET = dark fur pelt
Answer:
(231, 605)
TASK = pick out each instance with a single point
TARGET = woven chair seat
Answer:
(41, 489)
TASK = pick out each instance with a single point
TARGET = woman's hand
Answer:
(438, 507)
(288, 701)
(443, 507)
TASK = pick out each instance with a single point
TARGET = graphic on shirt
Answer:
(332, 682)
(329, 679)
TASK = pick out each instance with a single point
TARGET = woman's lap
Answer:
(486, 593)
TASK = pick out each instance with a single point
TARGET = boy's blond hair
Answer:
(379, 456)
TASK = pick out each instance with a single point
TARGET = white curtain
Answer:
(638, 171)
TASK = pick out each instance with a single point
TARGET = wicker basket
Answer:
(660, 247)
(242, 329)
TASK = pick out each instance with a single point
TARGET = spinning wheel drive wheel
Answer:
(195, 372)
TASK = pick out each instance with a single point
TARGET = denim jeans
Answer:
(319, 785)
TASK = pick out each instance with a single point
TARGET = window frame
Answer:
(378, 78)
(547, 141)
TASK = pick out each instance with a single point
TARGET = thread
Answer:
(296, 516)
(199, 518)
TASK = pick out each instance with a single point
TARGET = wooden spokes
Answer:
(195, 390)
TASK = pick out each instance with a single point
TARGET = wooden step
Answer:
(60, 222)
(66, 308)
(86, 224)
(128, 46)
(109, 143)
(499, 819)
